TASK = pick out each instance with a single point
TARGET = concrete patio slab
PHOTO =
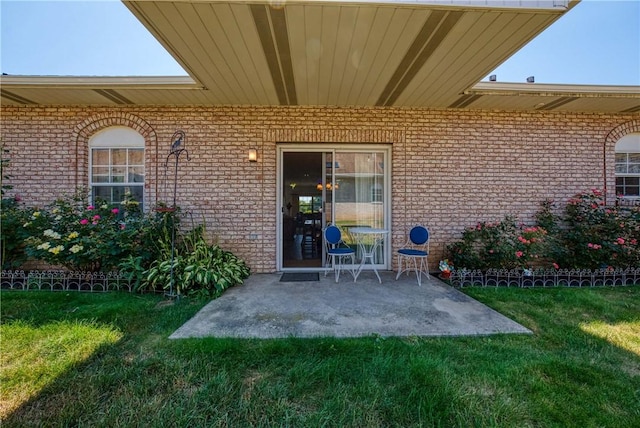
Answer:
(263, 307)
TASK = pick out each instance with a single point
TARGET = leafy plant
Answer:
(589, 235)
(4, 163)
(84, 237)
(11, 220)
(600, 236)
(197, 267)
(503, 245)
(13, 235)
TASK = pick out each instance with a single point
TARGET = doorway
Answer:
(347, 186)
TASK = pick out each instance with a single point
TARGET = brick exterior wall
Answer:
(451, 168)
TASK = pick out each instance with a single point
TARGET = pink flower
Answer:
(555, 265)
(122, 226)
(634, 241)
(84, 221)
(620, 241)
(90, 208)
(115, 211)
(519, 254)
(96, 218)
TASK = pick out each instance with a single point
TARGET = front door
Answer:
(346, 186)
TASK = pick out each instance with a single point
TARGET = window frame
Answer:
(628, 145)
(112, 139)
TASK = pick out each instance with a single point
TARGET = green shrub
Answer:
(104, 237)
(589, 235)
(11, 220)
(196, 267)
(597, 236)
(501, 245)
(13, 235)
(84, 237)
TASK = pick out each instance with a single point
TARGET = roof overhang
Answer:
(395, 53)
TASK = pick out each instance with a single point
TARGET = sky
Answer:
(596, 43)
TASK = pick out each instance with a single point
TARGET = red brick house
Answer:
(357, 113)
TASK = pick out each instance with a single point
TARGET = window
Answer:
(117, 165)
(376, 193)
(628, 166)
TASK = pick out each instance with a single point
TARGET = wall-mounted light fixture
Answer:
(253, 155)
(493, 78)
(531, 79)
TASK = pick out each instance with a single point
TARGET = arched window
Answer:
(116, 165)
(628, 166)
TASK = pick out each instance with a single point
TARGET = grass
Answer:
(580, 368)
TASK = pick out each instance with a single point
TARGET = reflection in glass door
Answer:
(347, 187)
(356, 194)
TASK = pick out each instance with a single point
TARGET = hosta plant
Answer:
(196, 267)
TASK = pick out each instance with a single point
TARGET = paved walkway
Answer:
(264, 307)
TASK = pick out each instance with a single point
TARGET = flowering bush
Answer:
(597, 236)
(503, 245)
(84, 237)
(589, 235)
(105, 237)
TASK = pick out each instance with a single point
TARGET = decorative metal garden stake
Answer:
(178, 147)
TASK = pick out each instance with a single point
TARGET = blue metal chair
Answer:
(415, 254)
(336, 251)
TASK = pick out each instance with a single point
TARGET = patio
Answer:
(263, 307)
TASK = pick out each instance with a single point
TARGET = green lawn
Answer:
(79, 359)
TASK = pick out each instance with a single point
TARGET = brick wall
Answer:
(451, 168)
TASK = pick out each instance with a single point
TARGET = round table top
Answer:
(366, 230)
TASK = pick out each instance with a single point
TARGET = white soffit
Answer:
(424, 54)
(414, 54)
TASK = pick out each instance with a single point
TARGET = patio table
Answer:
(364, 236)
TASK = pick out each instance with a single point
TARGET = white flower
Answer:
(52, 234)
(76, 248)
(44, 246)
